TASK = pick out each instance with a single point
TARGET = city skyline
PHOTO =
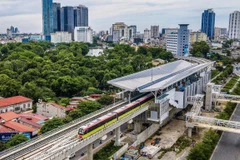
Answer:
(28, 16)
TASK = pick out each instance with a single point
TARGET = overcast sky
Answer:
(27, 16)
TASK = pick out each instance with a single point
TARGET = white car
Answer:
(71, 156)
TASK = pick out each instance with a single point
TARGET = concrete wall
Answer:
(147, 133)
(17, 107)
(120, 152)
(179, 98)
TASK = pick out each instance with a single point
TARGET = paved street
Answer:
(229, 146)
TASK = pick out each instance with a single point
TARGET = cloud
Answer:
(26, 14)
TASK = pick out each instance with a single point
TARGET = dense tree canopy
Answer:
(200, 49)
(41, 70)
(51, 124)
(15, 140)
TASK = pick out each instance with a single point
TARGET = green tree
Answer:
(51, 124)
(8, 87)
(2, 146)
(15, 140)
(142, 50)
(4, 49)
(75, 114)
(89, 107)
(106, 100)
(201, 47)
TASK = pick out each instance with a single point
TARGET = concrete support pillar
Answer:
(190, 132)
(117, 140)
(90, 152)
(137, 127)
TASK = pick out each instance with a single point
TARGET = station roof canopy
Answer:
(158, 78)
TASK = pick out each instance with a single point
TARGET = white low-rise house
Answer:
(60, 37)
(216, 45)
(16, 104)
(51, 110)
(83, 34)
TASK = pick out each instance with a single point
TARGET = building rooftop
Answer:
(159, 77)
(8, 116)
(18, 127)
(4, 129)
(13, 100)
(36, 116)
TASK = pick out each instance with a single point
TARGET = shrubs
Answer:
(230, 84)
(227, 112)
(106, 152)
(204, 149)
(223, 76)
(215, 73)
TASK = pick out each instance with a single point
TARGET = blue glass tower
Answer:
(208, 23)
(56, 17)
(80, 16)
(47, 17)
(67, 19)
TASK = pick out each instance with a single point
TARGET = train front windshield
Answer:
(81, 131)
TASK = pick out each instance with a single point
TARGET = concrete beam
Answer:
(190, 132)
(117, 140)
(90, 152)
(137, 127)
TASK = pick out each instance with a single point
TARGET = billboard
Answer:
(186, 50)
(4, 137)
(27, 134)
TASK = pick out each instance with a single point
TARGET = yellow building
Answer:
(197, 37)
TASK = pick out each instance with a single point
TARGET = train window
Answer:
(81, 131)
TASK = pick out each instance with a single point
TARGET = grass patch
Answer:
(106, 152)
(230, 84)
(164, 151)
(227, 112)
(215, 73)
(181, 144)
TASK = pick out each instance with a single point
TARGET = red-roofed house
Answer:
(51, 110)
(32, 120)
(5, 129)
(20, 128)
(15, 104)
(8, 116)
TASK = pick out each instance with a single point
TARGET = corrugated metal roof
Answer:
(13, 100)
(158, 77)
(18, 127)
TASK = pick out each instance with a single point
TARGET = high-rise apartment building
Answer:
(208, 23)
(219, 32)
(154, 31)
(178, 42)
(83, 34)
(183, 40)
(67, 19)
(80, 16)
(47, 16)
(56, 17)
(167, 31)
(147, 34)
(197, 37)
(59, 37)
(132, 32)
(234, 25)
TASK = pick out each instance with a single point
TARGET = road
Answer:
(229, 145)
(97, 145)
